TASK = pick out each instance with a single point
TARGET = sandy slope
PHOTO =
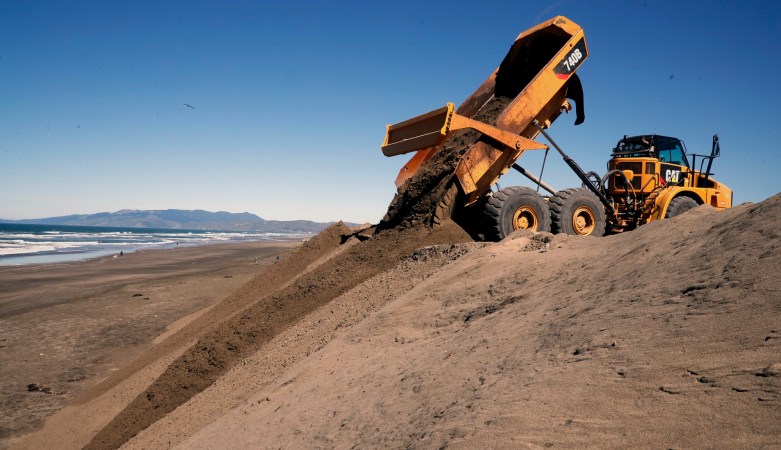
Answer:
(261, 370)
(666, 336)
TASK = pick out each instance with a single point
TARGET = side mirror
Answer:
(716, 149)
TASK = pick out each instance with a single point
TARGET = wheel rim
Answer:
(583, 221)
(525, 218)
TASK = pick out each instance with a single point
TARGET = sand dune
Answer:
(669, 335)
(652, 338)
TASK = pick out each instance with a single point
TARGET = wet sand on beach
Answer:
(64, 327)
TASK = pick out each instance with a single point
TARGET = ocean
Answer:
(44, 244)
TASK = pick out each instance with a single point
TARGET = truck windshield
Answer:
(671, 151)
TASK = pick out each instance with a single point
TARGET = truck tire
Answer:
(680, 205)
(515, 208)
(577, 212)
(446, 207)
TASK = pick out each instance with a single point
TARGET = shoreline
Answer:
(61, 257)
(66, 326)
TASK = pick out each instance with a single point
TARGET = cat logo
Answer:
(672, 176)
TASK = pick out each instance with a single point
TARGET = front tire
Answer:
(515, 208)
(680, 205)
(577, 212)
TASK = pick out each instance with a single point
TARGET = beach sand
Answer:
(65, 327)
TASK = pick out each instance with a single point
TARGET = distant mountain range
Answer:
(181, 219)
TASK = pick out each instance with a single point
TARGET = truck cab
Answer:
(649, 173)
(654, 161)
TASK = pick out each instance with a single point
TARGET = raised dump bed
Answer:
(537, 76)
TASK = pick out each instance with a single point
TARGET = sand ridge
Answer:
(219, 349)
(305, 338)
(274, 275)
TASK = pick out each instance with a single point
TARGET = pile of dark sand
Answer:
(420, 200)
(296, 344)
(272, 277)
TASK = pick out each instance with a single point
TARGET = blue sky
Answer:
(291, 98)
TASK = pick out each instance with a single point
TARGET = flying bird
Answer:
(188, 105)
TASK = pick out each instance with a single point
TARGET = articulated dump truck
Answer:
(649, 177)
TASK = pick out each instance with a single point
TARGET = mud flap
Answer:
(575, 93)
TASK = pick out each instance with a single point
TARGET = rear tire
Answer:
(577, 212)
(680, 205)
(515, 208)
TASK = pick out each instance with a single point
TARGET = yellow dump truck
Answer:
(650, 177)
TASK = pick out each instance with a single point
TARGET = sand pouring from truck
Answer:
(649, 177)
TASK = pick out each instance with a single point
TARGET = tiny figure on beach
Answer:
(121, 253)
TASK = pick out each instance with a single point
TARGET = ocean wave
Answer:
(85, 242)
